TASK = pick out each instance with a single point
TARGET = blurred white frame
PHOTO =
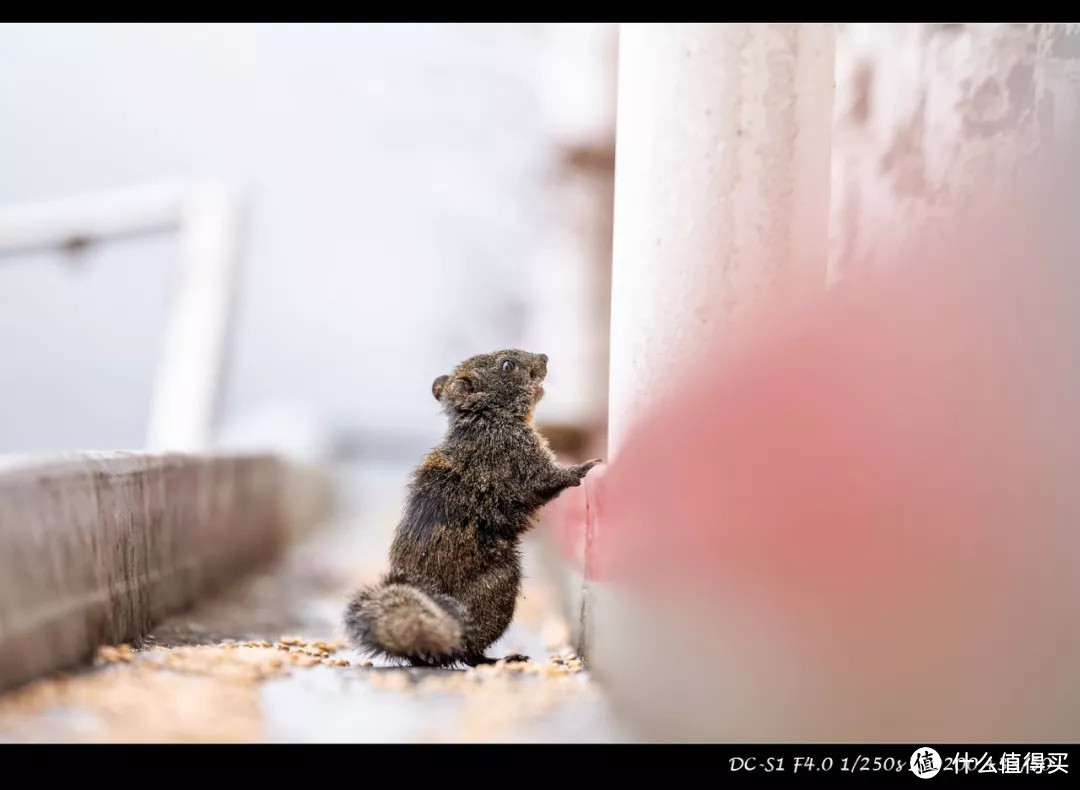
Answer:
(206, 215)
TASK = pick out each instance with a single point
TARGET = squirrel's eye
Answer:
(507, 366)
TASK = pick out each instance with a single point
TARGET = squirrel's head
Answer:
(509, 381)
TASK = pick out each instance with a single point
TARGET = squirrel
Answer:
(455, 561)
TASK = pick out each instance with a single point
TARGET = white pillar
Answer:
(721, 184)
(721, 191)
(569, 319)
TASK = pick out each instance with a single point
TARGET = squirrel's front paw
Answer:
(583, 469)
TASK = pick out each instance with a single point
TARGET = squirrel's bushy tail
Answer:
(399, 620)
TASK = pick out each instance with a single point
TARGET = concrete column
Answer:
(721, 187)
(721, 193)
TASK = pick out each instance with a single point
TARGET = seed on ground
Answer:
(108, 653)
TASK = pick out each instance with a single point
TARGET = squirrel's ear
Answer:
(438, 385)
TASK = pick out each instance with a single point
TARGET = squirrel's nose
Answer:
(540, 368)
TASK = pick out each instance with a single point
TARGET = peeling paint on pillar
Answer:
(925, 111)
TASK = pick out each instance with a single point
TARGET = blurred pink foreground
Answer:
(860, 522)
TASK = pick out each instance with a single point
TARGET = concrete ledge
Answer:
(94, 548)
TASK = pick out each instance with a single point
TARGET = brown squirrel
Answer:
(455, 563)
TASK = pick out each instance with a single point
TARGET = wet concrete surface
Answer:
(223, 672)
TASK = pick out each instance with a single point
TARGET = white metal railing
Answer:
(206, 215)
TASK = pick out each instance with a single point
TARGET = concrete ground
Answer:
(265, 661)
